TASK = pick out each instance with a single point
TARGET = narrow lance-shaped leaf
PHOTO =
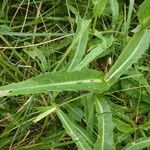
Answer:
(73, 131)
(39, 54)
(89, 110)
(75, 40)
(58, 81)
(95, 52)
(99, 6)
(80, 46)
(42, 58)
(114, 10)
(127, 23)
(144, 14)
(122, 126)
(105, 125)
(138, 144)
(130, 55)
(139, 77)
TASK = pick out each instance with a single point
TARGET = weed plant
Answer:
(74, 74)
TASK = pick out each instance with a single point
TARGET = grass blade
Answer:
(138, 144)
(30, 34)
(131, 53)
(61, 80)
(105, 125)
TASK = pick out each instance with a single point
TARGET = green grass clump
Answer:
(74, 74)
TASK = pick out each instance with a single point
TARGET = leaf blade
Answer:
(115, 11)
(72, 130)
(131, 53)
(99, 6)
(138, 144)
(144, 14)
(95, 52)
(58, 81)
(79, 47)
(105, 125)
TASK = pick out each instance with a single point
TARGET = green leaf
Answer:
(144, 13)
(122, 126)
(105, 125)
(39, 54)
(75, 112)
(130, 55)
(89, 112)
(138, 144)
(128, 21)
(77, 42)
(95, 52)
(115, 11)
(80, 45)
(42, 58)
(4, 142)
(31, 53)
(99, 6)
(139, 77)
(46, 113)
(58, 81)
(126, 119)
(77, 135)
(73, 10)
(146, 126)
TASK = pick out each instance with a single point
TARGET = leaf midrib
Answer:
(61, 83)
(103, 121)
(122, 65)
